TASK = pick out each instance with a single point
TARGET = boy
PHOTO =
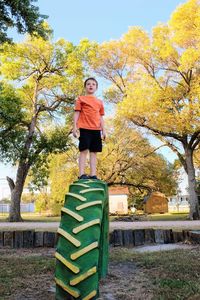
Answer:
(88, 118)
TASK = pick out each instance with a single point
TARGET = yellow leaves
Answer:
(56, 65)
(137, 44)
(185, 24)
(24, 59)
(189, 59)
(109, 54)
(156, 78)
(163, 47)
(165, 109)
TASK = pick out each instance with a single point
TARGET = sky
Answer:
(100, 21)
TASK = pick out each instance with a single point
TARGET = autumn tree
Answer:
(128, 159)
(155, 81)
(46, 77)
(63, 170)
(22, 15)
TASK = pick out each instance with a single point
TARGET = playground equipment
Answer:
(82, 248)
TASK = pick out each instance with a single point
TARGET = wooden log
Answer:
(28, 239)
(159, 236)
(1, 239)
(168, 237)
(186, 236)
(128, 238)
(195, 236)
(56, 239)
(178, 236)
(18, 239)
(8, 239)
(149, 236)
(117, 238)
(111, 238)
(49, 239)
(139, 237)
(39, 239)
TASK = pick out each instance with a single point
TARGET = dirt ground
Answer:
(125, 281)
(39, 284)
(29, 275)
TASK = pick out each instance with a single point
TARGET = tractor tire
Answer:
(82, 248)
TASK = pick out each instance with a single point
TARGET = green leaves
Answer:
(24, 16)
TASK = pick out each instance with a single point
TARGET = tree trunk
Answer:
(193, 199)
(16, 192)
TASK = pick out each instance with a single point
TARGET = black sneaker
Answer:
(83, 176)
(94, 177)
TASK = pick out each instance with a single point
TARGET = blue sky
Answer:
(101, 21)
(104, 20)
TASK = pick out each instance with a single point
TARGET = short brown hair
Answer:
(90, 78)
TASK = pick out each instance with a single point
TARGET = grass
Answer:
(169, 275)
(168, 217)
(155, 217)
(33, 217)
(172, 275)
(19, 275)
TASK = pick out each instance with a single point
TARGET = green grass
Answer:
(32, 217)
(18, 275)
(169, 275)
(168, 217)
(173, 274)
(154, 217)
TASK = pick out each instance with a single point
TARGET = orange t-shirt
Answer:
(91, 109)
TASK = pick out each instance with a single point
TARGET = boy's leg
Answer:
(82, 161)
(93, 163)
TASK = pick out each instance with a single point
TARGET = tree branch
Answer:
(139, 186)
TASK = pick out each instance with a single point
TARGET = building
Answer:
(118, 200)
(179, 204)
(156, 202)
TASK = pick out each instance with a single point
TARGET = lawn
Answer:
(169, 275)
(34, 217)
(167, 217)
(153, 217)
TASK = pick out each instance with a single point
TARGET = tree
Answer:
(63, 169)
(128, 159)
(20, 14)
(155, 79)
(47, 77)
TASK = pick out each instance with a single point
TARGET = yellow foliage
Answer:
(185, 24)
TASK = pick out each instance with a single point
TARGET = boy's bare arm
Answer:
(103, 128)
(76, 117)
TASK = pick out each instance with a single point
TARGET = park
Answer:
(100, 150)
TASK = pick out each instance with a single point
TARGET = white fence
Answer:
(25, 207)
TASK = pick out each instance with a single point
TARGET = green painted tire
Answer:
(82, 249)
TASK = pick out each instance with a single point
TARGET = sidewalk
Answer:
(53, 226)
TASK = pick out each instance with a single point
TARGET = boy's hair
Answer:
(90, 78)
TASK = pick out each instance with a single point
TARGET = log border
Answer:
(128, 238)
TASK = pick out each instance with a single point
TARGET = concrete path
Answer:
(163, 247)
(52, 226)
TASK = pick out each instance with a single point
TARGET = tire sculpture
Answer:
(82, 248)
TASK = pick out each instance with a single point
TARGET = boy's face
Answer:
(91, 87)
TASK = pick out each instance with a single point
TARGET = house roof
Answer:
(118, 190)
(157, 194)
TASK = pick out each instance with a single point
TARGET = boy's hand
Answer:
(75, 132)
(103, 134)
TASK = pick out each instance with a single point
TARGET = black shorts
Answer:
(90, 139)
